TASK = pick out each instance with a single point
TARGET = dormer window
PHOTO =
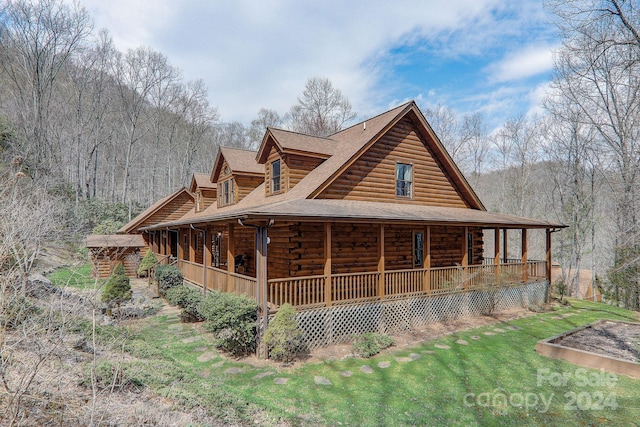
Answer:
(226, 193)
(404, 179)
(275, 176)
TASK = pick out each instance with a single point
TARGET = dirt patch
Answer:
(620, 340)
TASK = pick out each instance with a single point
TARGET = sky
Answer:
(487, 56)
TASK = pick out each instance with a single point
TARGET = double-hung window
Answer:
(275, 176)
(404, 179)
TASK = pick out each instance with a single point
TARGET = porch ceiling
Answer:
(375, 212)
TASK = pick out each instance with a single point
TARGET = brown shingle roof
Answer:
(201, 180)
(299, 143)
(115, 241)
(361, 211)
(240, 162)
(348, 145)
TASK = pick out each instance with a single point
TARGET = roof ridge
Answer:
(374, 117)
(226, 147)
(300, 133)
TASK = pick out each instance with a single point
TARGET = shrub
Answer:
(232, 319)
(369, 344)
(109, 376)
(118, 288)
(168, 276)
(15, 310)
(284, 336)
(147, 262)
(188, 299)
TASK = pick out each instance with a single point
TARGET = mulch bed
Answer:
(620, 340)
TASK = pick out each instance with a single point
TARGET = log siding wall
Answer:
(299, 167)
(372, 176)
(174, 210)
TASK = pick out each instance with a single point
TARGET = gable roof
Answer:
(347, 146)
(201, 180)
(115, 241)
(364, 135)
(296, 143)
(135, 223)
(240, 162)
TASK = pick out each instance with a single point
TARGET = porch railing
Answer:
(311, 291)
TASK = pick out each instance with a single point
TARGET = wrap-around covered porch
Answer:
(315, 264)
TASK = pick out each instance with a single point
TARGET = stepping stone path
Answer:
(557, 317)
(207, 356)
(428, 352)
(346, 373)
(568, 315)
(234, 371)
(513, 328)
(322, 381)
(442, 346)
(403, 359)
(366, 369)
(414, 356)
(462, 342)
(262, 375)
(201, 349)
(489, 333)
(384, 365)
(191, 339)
(475, 337)
(280, 381)
(499, 330)
(176, 326)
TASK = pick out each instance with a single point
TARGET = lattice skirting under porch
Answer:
(332, 325)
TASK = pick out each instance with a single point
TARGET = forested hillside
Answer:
(100, 134)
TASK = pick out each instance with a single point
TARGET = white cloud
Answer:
(254, 54)
(527, 62)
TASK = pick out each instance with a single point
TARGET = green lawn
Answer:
(496, 380)
(75, 277)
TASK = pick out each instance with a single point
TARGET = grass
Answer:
(76, 277)
(496, 380)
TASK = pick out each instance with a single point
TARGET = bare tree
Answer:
(322, 110)
(598, 70)
(569, 151)
(138, 73)
(266, 118)
(466, 140)
(28, 217)
(37, 39)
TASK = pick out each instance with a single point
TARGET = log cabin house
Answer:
(371, 228)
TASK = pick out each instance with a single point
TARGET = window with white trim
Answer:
(404, 179)
(275, 176)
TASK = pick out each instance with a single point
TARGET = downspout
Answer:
(261, 277)
(204, 258)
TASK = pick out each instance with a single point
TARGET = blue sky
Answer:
(484, 56)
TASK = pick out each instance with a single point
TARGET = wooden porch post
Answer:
(465, 258)
(381, 261)
(180, 245)
(231, 256)
(505, 241)
(525, 269)
(548, 264)
(327, 264)
(426, 284)
(192, 248)
(496, 254)
(206, 257)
